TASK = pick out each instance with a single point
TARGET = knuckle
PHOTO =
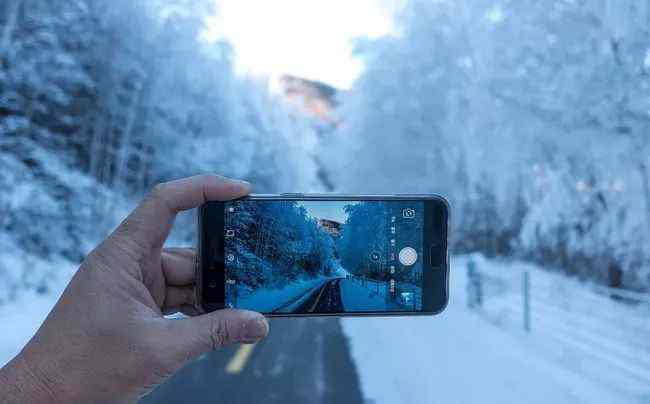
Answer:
(158, 191)
(101, 258)
(189, 296)
(160, 195)
(219, 332)
(123, 245)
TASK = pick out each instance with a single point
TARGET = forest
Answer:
(531, 117)
(368, 229)
(96, 108)
(277, 243)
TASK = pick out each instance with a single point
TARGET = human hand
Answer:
(106, 339)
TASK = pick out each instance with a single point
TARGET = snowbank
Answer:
(461, 356)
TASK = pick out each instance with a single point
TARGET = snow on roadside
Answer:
(20, 321)
(357, 297)
(605, 340)
(24, 312)
(459, 357)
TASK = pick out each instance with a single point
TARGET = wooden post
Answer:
(474, 290)
(526, 295)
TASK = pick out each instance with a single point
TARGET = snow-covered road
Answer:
(461, 357)
(370, 296)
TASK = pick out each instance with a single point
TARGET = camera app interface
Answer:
(324, 256)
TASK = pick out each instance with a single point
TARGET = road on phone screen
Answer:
(326, 298)
(304, 360)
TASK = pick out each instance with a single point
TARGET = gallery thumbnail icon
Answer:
(406, 297)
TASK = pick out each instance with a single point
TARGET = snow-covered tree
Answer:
(530, 116)
(101, 99)
(278, 243)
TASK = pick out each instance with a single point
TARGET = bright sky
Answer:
(332, 210)
(306, 38)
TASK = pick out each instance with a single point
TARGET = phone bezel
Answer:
(436, 218)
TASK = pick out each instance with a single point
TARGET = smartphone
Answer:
(324, 255)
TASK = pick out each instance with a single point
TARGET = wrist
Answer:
(21, 382)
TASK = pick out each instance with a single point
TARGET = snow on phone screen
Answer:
(324, 256)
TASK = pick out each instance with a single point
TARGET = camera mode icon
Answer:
(408, 213)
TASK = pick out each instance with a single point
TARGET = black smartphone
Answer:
(317, 255)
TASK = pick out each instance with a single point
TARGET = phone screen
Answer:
(324, 256)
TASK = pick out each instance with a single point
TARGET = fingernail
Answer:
(233, 180)
(255, 329)
(241, 184)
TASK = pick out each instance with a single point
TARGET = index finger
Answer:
(149, 224)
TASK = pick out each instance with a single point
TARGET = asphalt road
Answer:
(326, 299)
(304, 360)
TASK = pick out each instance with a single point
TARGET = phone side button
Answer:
(434, 255)
(292, 195)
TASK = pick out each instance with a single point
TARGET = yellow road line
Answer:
(311, 310)
(239, 359)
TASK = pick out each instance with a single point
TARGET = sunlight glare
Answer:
(310, 39)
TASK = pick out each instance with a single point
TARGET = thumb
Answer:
(198, 335)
